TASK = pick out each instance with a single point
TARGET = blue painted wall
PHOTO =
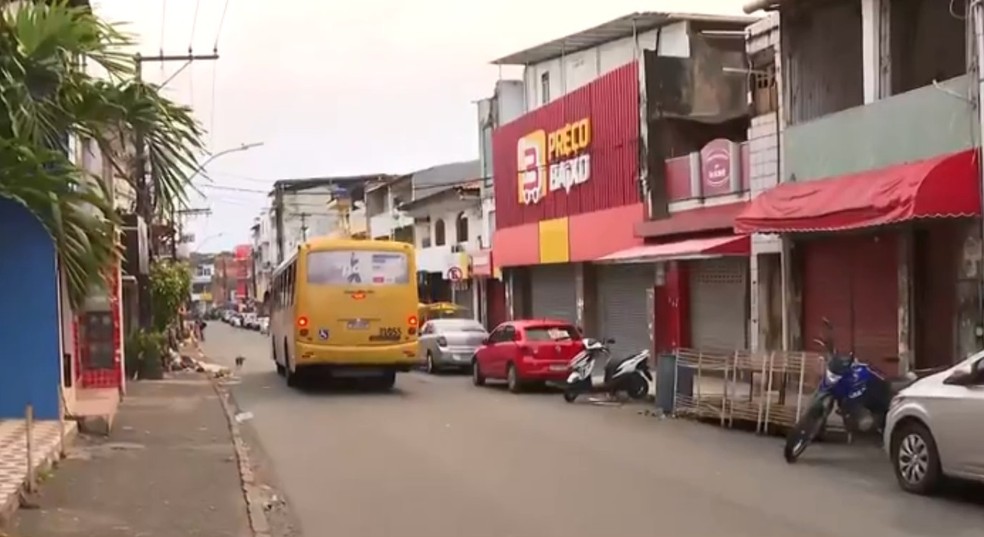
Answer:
(30, 357)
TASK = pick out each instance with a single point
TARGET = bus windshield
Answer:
(357, 267)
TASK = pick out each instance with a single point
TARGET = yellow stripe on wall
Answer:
(554, 245)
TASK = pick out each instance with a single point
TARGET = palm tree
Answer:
(49, 94)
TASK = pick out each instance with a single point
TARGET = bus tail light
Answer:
(412, 322)
(302, 322)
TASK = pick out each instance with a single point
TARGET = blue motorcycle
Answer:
(861, 396)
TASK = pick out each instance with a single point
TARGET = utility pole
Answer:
(304, 227)
(145, 205)
(278, 207)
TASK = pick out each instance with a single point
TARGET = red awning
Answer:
(941, 187)
(688, 249)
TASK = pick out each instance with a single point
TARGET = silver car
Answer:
(935, 428)
(449, 343)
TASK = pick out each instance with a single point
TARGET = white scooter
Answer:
(629, 374)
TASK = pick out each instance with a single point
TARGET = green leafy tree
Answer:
(48, 93)
(170, 288)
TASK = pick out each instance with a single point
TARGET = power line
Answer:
(218, 33)
(211, 119)
(194, 25)
(164, 25)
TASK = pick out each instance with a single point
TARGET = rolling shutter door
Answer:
(553, 292)
(719, 303)
(853, 282)
(826, 290)
(463, 296)
(622, 307)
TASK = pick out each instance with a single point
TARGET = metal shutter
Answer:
(463, 296)
(553, 292)
(852, 282)
(719, 303)
(622, 307)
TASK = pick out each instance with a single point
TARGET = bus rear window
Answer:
(552, 333)
(357, 267)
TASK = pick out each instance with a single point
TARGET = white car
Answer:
(935, 428)
(264, 325)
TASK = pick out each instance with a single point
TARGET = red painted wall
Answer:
(599, 233)
(612, 104)
(516, 246)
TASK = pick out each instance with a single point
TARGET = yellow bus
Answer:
(347, 307)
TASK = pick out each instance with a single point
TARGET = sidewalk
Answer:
(168, 469)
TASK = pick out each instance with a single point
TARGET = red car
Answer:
(522, 352)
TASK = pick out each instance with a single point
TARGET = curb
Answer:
(11, 505)
(251, 493)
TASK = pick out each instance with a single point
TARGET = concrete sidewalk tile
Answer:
(167, 469)
(13, 456)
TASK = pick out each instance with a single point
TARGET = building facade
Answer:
(875, 218)
(508, 102)
(593, 210)
(446, 214)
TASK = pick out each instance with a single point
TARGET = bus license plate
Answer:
(387, 333)
(358, 324)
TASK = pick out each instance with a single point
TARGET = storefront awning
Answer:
(688, 249)
(940, 187)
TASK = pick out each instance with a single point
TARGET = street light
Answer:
(242, 147)
(202, 242)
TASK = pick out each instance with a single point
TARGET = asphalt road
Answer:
(439, 457)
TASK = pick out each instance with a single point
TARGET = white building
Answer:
(439, 210)
(264, 249)
(383, 201)
(306, 208)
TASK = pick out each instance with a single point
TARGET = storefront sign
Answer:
(548, 162)
(719, 168)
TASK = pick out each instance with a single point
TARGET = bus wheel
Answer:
(293, 377)
(281, 370)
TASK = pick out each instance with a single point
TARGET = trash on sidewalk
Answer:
(243, 416)
(213, 370)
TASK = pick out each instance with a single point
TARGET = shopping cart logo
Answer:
(531, 155)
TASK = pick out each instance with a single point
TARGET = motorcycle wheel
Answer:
(570, 395)
(804, 432)
(637, 388)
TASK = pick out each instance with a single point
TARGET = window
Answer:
(291, 281)
(428, 329)
(439, 239)
(545, 88)
(358, 267)
(503, 334)
(552, 333)
(461, 227)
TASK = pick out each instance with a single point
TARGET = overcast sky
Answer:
(335, 88)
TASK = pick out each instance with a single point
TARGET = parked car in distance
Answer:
(449, 343)
(236, 320)
(264, 324)
(522, 352)
(251, 321)
(934, 428)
